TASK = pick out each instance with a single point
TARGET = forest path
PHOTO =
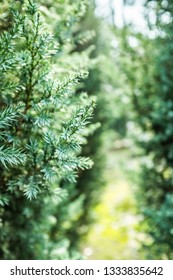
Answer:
(115, 233)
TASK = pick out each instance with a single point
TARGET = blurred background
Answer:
(133, 218)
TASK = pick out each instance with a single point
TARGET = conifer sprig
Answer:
(42, 128)
(11, 156)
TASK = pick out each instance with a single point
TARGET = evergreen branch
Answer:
(48, 172)
(78, 122)
(31, 191)
(71, 163)
(71, 81)
(11, 156)
(9, 115)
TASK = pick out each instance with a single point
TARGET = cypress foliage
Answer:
(42, 127)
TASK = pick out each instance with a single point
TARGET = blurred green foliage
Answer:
(146, 60)
(107, 115)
